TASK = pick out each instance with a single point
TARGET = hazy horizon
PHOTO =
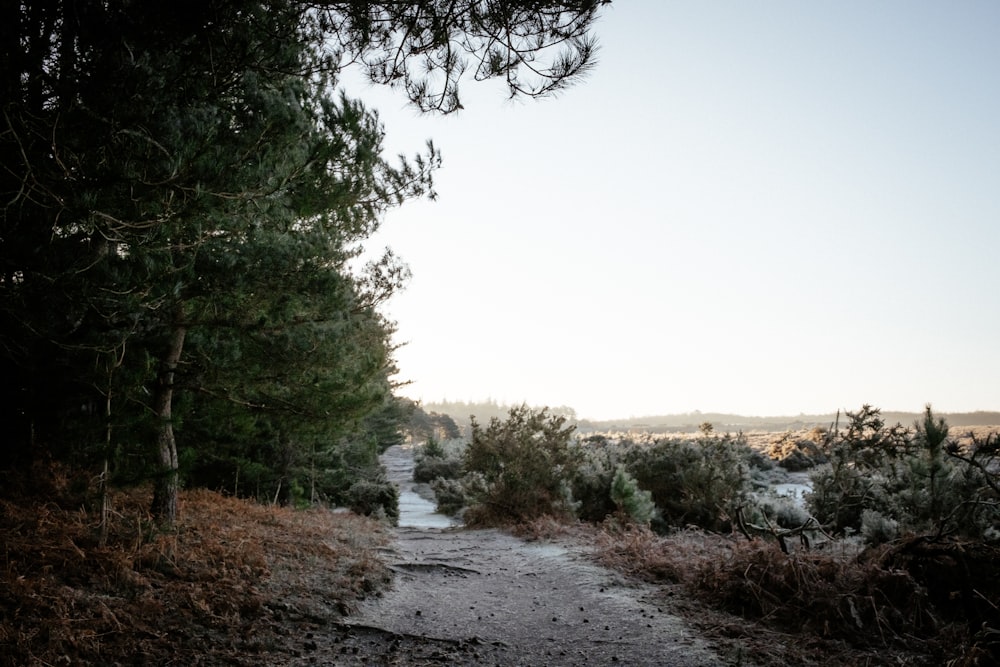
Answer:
(761, 209)
(433, 404)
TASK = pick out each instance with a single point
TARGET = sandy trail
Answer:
(482, 597)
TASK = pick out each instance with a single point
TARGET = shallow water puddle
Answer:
(415, 511)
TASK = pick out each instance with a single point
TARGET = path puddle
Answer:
(415, 511)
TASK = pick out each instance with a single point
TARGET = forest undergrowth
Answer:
(222, 587)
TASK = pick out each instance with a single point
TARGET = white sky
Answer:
(765, 208)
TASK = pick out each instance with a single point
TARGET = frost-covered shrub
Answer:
(877, 528)
(377, 497)
(904, 481)
(633, 502)
(431, 468)
(439, 460)
(450, 495)
(520, 469)
(591, 485)
(701, 482)
(781, 511)
(862, 461)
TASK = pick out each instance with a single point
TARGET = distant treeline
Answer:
(483, 411)
(722, 422)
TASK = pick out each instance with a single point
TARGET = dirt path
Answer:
(482, 597)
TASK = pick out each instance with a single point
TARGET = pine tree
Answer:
(183, 190)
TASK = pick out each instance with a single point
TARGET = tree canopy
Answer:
(184, 188)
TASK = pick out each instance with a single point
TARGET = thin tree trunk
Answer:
(113, 364)
(165, 496)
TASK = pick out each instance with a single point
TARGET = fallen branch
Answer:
(811, 525)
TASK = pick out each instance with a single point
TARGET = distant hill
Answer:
(722, 422)
(689, 422)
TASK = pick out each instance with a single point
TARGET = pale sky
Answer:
(765, 208)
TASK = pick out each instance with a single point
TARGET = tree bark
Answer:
(165, 495)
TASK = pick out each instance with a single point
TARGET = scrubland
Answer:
(892, 559)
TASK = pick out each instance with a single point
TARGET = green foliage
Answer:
(198, 239)
(520, 469)
(431, 468)
(701, 482)
(861, 468)
(439, 460)
(450, 495)
(184, 193)
(432, 449)
(633, 502)
(591, 485)
(377, 497)
(698, 482)
(781, 511)
(885, 482)
(441, 464)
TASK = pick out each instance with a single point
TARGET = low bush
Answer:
(887, 481)
(591, 483)
(438, 459)
(430, 468)
(378, 498)
(781, 511)
(520, 469)
(633, 503)
(796, 454)
(700, 482)
(450, 495)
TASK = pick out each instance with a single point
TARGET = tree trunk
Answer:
(165, 495)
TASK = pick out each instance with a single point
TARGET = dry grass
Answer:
(212, 591)
(832, 608)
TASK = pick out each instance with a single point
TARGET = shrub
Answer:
(378, 497)
(701, 482)
(911, 481)
(861, 468)
(877, 528)
(429, 469)
(591, 485)
(520, 469)
(782, 511)
(432, 449)
(796, 454)
(437, 459)
(450, 495)
(632, 501)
